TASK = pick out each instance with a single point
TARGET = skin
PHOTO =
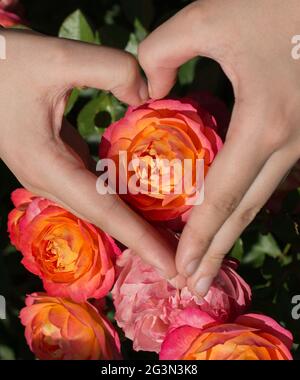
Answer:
(48, 157)
(252, 42)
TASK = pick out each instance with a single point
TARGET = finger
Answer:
(69, 64)
(104, 68)
(184, 36)
(72, 186)
(231, 175)
(264, 185)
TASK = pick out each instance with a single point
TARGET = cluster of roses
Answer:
(79, 264)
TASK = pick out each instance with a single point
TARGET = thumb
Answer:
(184, 36)
(104, 68)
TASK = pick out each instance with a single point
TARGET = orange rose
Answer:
(250, 337)
(59, 329)
(155, 135)
(72, 257)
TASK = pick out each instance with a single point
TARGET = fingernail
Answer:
(144, 94)
(192, 267)
(202, 286)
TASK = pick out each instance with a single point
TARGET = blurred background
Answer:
(269, 250)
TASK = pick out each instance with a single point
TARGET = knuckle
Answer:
(212, 263)
(216, 257)
(246, 216)
(111, 205)
(275, 138)
(198, 240)
(225, 205)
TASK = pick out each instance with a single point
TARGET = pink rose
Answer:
(146, 304)
(10, 13)
(8, 4)
(8, 19)
(250, 337)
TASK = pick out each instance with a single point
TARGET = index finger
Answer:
(232, 173)
(184, 36)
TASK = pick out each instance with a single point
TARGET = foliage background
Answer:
(269, 250)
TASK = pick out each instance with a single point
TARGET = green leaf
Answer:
(9, 250)
(87, 119)
(268, 244)
(132, 45)
(265, 245)
(72, 100)
(238, 250)
(136, 38)
(88, 92)
(76, 27)
(187, 72)
(112, 14)
(6, 353)
(19, 26)
(97, 38)
(140, 32)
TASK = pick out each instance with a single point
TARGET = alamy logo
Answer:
(2, 47)
(2, 308)
(296, 309)
(296, 49)
(157, 177)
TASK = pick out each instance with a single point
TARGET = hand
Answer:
(46, 154)
(252, 42)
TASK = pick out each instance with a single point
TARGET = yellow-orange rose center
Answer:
(245, 346)
(62, 251)
(159, 151)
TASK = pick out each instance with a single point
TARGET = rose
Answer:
(21, 199)
(59, 329)
(250, 337)
(8, 4)
(151, 134)
(9, 13)
(72, 257)
(8, 19)
(146, 304)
